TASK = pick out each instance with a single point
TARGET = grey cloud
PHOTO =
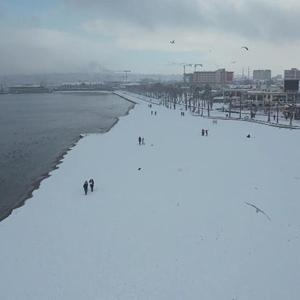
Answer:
(249, 19)
(259, 20)
(149, 14)
(2, 11)
(35, 21)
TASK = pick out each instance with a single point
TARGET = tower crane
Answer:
(126, 74)
(196, 65)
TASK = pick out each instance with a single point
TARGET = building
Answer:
(29, 89)
(218, 77)
(292, 74)
(291, 80)
(84, 86)
(262, 75)
(278, 78)
(291, 85)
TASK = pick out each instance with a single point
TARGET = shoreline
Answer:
(124, 97)
(28, 194)
(37, 182)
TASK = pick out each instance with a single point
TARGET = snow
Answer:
(178, 228)
(260, 116)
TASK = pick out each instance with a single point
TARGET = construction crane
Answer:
(185, 65)
(195, 66)
(126, 74)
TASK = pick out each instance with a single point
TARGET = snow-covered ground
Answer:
(178, 228)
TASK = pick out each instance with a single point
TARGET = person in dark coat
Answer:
(206, 132)
(91, 182)
(85, 187)
(140, 140)
(202, 132)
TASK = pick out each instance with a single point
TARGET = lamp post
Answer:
(277, 111)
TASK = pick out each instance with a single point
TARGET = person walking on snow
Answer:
(140, 140)
(202, 132)
(91, 181)
(85, 187)
(206, 132)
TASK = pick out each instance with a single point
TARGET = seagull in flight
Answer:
(172, 42)
(258, 210)
(246, 48)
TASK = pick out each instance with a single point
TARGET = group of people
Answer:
(204, 132)
(153, 112)
(141, 141)
(86, 185)
(182, 113)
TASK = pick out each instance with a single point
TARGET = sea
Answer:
(37, 129)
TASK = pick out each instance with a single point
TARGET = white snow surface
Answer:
(179, 228)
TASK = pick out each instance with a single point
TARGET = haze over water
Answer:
(36, 129)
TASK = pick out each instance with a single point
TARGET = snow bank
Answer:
(178, 228)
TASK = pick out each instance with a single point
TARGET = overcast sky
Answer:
(46, 36)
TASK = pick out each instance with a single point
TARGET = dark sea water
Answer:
(36, 129)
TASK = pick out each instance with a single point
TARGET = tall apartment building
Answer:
(262, 75)
(220, 76)
(292, 74)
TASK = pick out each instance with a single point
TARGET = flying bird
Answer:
(172, 42)
(246, 48)
(258, 210)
